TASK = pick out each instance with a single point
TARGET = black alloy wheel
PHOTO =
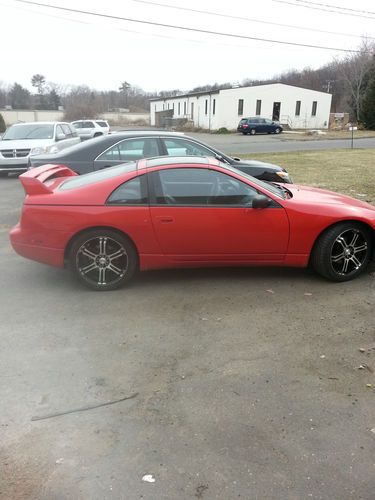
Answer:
(343, 251)
(103, 259)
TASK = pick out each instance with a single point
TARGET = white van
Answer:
(22, 140)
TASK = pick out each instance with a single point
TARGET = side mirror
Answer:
(60, 137)
(261, 201)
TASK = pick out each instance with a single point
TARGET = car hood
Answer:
(25, 143)
(256, 164)
(316, 196)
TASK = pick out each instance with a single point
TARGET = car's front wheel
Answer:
(103, 259)
(342, 252)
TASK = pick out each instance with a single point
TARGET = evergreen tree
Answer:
(368, 104)
(19, 97)
(2, 124)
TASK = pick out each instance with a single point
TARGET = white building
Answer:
(293, 106)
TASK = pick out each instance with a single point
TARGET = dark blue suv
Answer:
(258, 125)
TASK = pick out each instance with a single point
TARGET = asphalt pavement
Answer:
(247, 144)
(243, 383)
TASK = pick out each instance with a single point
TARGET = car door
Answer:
(87, 129)
(200, 214)
(128, 150)
(261, 127)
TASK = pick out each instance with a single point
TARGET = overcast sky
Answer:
(70, 48)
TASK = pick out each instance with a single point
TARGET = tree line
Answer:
(350, 80)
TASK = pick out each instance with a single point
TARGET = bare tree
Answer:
(353, 71)
(82, 102)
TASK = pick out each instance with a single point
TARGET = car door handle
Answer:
(165, 220)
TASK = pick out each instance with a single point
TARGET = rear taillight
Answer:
(245, 126)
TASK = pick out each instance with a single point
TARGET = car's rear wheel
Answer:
(252, 131)
(98, 134)
(103, 259)
(342, 252)
(277, 130)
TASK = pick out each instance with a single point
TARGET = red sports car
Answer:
(186, 212)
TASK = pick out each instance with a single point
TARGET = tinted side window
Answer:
(195, 186)
(135, 149)
(66, 130)
(59, 131)
(77, 125)
(88, 125)
(181, 147)
(112, 154)
(133, 192)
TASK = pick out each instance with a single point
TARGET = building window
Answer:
(185, 108)
(213, 106)
(314, 106)
(206, 107)
(163, 107)
(179, 108)
(173, 107)
(298, 108)
(240, 106)
(259, 107)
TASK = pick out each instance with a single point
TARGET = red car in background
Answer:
(186, 212)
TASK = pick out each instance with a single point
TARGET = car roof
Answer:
(159, 161)
(38, 123)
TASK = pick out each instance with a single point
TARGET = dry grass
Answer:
(330, 134)
(347, 171)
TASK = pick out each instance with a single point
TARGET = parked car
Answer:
(121, 147)
(258, 125)
(87, 129)
(186, 212)
(23, 140)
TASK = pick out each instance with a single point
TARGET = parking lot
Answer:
(243, 383)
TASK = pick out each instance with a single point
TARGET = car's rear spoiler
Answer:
(33, 180)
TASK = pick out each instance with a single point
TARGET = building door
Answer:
(276, 111)
(192, 111)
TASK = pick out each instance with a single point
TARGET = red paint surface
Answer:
(170, 236)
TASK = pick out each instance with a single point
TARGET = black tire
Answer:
(98, 134)
(342, 252)
(103, 259)
(277, 130)
(252, 131)
(244, 133)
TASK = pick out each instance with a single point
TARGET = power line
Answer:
(196, 30)
(127, 30)
(338, 7)
(229, 16)
(321, 9)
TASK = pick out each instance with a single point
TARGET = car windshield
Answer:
(29, 131)
(97, 176)
(274, 189)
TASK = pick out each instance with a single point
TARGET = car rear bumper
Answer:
(30, 249)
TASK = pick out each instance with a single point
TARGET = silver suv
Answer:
(22, 140)
(87, 129)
